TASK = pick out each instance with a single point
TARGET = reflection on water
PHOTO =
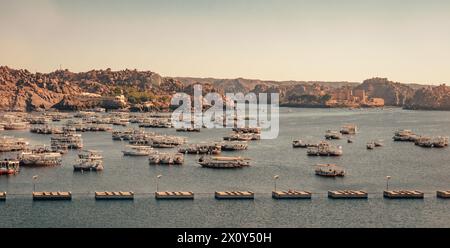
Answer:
(410, 167)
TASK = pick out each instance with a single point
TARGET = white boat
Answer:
(139, 151)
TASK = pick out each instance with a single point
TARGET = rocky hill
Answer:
(394, 94)
(62, 89)
(25, 91)
(430, 98)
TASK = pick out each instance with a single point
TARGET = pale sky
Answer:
(345, 40)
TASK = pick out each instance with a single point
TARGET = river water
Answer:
(409, 166)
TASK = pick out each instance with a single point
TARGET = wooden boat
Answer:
(223, 162)
(329, 170)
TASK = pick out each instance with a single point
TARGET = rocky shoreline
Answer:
(21, 90)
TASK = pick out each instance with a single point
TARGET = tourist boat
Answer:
(256, 130)
(330, 134)
(242, 137)
(201, 149)
(89, 160)
(164, 141)
(9, 166)
(156, 123)
(329, 170)
(223, 162)
(166, 158)
(302, 144)
(324, 149)
(299, 143)
(88, 165)
(370, 145)
(46, 130)
(348, 129)
(234, 146)
(38, 158)
(10, 144)
(69, 140)
(188, 129)
(15, 126)
(90, 154)
(139, 151)
(405, 135)
(39, 120)
(437, 142)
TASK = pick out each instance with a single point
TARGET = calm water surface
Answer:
(410, 167)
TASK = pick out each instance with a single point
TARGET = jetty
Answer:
(234, 195)
(44, 195)
(443, 194)
(403, 194)
(114, 195)
(291, 194)
(347, 194)
(176, 195)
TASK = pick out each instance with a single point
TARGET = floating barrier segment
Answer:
(403, 194)
(347, 194)
(52, 195)
(234, 195)
(114, 195)
(174, 195)
(2, 196)
(291, 194)
(443, 194)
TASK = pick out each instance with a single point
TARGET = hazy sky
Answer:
(406, 41)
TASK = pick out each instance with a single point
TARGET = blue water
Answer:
(410, 167)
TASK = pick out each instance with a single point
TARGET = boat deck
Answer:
(174, 195)
(114, 195)
(403, 194)
(52, 195)
(234, 195)
(443, 194)
(291, 194)
(347, 194)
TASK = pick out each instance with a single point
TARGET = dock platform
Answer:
(347, 194)
(179, 195)
(291, 194)
(57, 195)
(403, 194)
(2, 196)
(234, 195)
(443, 194)
(114, 195)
